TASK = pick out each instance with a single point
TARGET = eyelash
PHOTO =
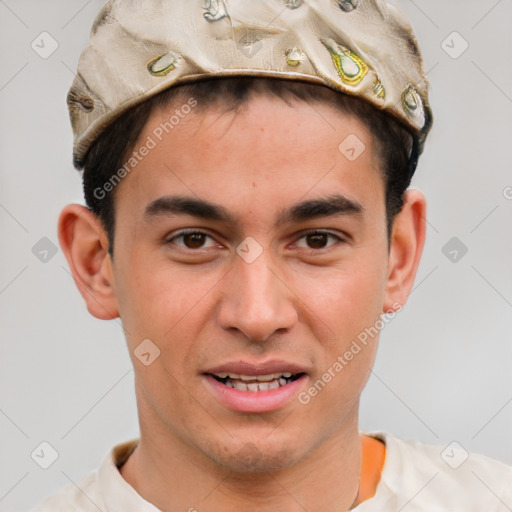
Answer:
(305, 234)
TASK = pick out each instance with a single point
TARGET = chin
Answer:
(253, 456)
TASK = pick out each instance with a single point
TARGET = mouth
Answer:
(255, 383)
(256, 387)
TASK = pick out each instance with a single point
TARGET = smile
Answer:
(255, 383)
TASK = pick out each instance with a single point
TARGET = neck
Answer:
(174, 476)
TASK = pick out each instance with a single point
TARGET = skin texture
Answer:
(297, 301)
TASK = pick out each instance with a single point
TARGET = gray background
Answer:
(443, 369)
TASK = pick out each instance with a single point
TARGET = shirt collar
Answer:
(117, 493)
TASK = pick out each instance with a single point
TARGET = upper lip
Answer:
(257, 367)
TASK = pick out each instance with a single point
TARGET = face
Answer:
(252, 253)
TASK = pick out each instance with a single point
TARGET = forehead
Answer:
(266, 149)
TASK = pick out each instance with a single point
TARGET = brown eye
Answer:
(194, 240)
(317, 240)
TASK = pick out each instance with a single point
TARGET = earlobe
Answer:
(408, 239)
(85, 245)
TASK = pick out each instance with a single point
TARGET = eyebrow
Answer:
(331, 205)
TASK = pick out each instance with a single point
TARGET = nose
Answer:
(256, 301)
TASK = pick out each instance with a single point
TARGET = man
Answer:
(246, 167)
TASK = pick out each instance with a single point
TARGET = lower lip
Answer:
(255, 401)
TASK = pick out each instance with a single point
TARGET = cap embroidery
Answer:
(351, 68)
(163, 64)
(347, 5)
(215, 10)
(294, 56)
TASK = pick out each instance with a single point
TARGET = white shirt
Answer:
(415, 477)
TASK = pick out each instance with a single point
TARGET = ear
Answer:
(407, 241)
(85, 245)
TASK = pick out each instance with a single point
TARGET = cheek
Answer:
(161, 302)
(347, 298)
(349, 306)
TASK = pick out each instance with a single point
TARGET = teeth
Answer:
(255, 386)
(239, 385)
(260, 378)
(248, 377)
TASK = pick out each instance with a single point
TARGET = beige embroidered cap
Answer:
(138, 48)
